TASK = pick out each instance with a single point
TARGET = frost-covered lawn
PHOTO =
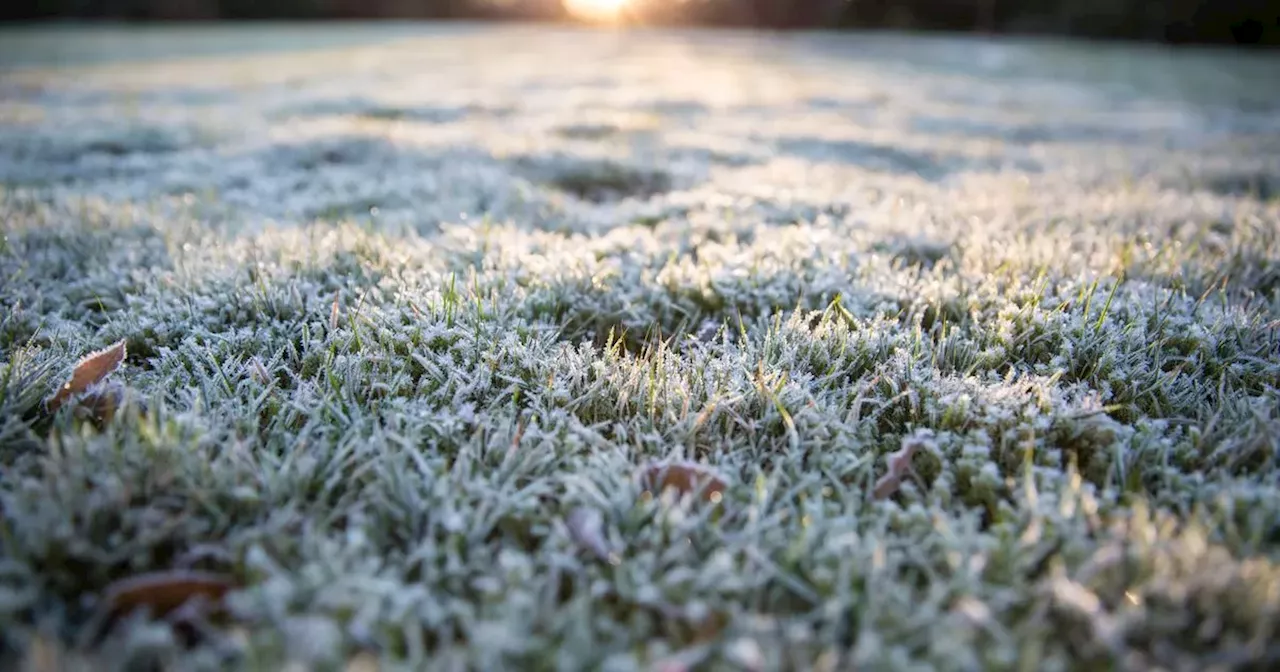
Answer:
(409, 311)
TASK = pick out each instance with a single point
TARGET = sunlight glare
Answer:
(602, 11)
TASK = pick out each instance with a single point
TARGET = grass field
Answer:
(978, 343)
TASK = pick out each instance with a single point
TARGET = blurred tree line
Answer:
(1176, 21)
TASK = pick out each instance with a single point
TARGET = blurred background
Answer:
(1228, 22)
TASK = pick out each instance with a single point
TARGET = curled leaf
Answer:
(586, 527)
(684, 478)
(164, 591)
(899, 463)
(100, 402)
(89, 371)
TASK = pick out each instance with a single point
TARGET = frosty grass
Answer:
(397, 299)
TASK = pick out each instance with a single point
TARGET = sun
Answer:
(601, 11)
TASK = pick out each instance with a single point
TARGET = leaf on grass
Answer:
(685, 478)
(89, 371)
(164, 591)
(900, 465)
(586, 527)
(100, 402)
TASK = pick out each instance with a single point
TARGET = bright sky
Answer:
(595, 10)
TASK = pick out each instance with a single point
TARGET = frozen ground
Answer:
(399, 299)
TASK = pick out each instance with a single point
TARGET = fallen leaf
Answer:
(89, 371)
(899, 465)
(685, 478)
(164, 591)
(100, 402)
(586, 527)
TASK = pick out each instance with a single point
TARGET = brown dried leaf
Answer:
(586, 527)
(899, 463)
(100, 402)
(886, 485)
(164, 591)
(889, 483)
(685, 478)
(90, 370)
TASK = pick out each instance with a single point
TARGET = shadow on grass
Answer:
(932, 166)
(379, 111)
(596, 180)
(330, 177)
(1033, 133)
